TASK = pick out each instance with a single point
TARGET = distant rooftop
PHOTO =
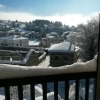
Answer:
(53, 33)
(50, 36)
(34, 43)
(13, 37)
(62, 47)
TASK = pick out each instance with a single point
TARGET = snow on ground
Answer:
(13, 71)
(38, 91)
(44, 63)
(2, 97)
(39, 94)
(81, 92)
(50, 95)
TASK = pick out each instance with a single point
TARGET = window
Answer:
(17, 45)
(20, 44)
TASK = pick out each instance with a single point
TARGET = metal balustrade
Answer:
(33, 80)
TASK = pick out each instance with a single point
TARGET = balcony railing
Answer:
(14, 75)
(33, 80)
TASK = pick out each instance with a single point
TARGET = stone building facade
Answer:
(14, 40)
(62, 54)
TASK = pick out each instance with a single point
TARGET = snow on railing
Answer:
(14, 71)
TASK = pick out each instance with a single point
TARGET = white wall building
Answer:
(14, 40)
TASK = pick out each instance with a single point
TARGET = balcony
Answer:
(19, 76)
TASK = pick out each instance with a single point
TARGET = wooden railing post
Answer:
(98, 68)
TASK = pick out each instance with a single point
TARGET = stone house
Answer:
(62, 54)
(14, 40)
(50, 39)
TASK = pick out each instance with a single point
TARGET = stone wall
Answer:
(32, 58)
(7, 55)
(27, 58)
(60, 59)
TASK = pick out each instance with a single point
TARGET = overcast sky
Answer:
(70, 12)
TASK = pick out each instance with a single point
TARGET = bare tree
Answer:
(89, 33)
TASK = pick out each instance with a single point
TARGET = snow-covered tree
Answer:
(89, 33)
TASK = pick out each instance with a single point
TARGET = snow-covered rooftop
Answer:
(11, 31)
(53, 33)
(13, 71)
(50, 36)
(34, 43)
(66, 33)
(62, 47)
(13, 37)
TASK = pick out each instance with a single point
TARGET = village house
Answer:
(14, 40)
(62, 54)
(50, 39)
(64, 35)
